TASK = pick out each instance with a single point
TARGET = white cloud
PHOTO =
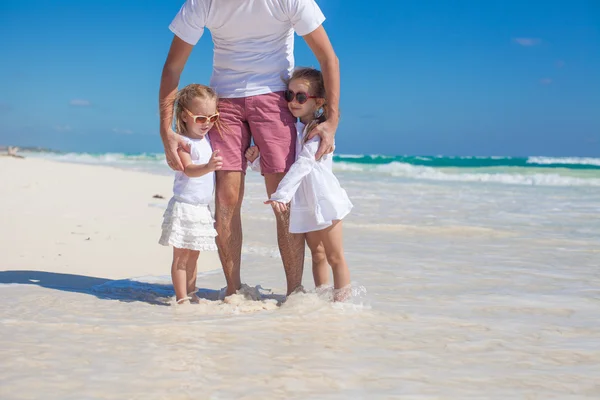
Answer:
(560, 64)
(80, 103)
(122, 131)
(546, 81)
(62, 128)
(528, 42)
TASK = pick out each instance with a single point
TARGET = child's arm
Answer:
(196, 170)
(253, 157)
(302, 167)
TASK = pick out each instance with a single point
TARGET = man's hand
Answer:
(319, 43)
(216, 161)
(327, 132)
(277, 206)
(178, 55)
(172, 142)
(252, 153)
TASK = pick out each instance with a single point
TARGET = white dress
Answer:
(317, 199)
(188, 222)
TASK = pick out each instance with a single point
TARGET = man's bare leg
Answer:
(291, 245)
(228, 204)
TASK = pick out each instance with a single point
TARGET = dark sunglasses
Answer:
(202, 119)
(300, 97)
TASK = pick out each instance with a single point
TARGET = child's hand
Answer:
(252, 153)
(216, 161)
(277, 205)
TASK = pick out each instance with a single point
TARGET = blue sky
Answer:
(426, 77)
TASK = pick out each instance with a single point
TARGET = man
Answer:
(253, 51)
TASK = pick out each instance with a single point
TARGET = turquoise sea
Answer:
(534, 170)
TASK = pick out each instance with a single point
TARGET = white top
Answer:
(255, 165)
(253, 40)
(316, 195)
(196, 190)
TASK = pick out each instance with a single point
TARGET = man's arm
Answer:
(176, 59)
(319, 43)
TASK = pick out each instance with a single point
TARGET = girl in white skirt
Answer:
(318, 202)
(188, 224)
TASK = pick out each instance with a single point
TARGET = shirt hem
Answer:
(186, 38)
(311, 28)
(252, 92)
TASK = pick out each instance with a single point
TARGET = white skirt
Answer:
(188, 226)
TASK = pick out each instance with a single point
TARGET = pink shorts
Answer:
(265, 118)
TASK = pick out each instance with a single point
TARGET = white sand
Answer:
(473, 291)
(84, 220)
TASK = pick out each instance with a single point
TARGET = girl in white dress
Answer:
(318, 202)
(188, 224)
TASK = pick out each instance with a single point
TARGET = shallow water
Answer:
(471, 289)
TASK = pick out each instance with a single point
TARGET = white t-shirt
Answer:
(196, 190)
(253, 40)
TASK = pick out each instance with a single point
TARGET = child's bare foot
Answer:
(185, 300)
(342, 294)
(323, 290)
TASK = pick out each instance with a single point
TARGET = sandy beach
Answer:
(463, 289)
(84, 220)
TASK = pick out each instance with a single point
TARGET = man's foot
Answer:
(299, 289)
(244, 293)
(231, 290)
(226, 292)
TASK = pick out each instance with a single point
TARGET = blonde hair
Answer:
(317, 87)
(184, 98)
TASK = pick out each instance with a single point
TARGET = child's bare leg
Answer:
(192, 273)
(334, 249)
(178, 272)
(320, 268)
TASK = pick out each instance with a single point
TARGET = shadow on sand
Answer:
(125, 290)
